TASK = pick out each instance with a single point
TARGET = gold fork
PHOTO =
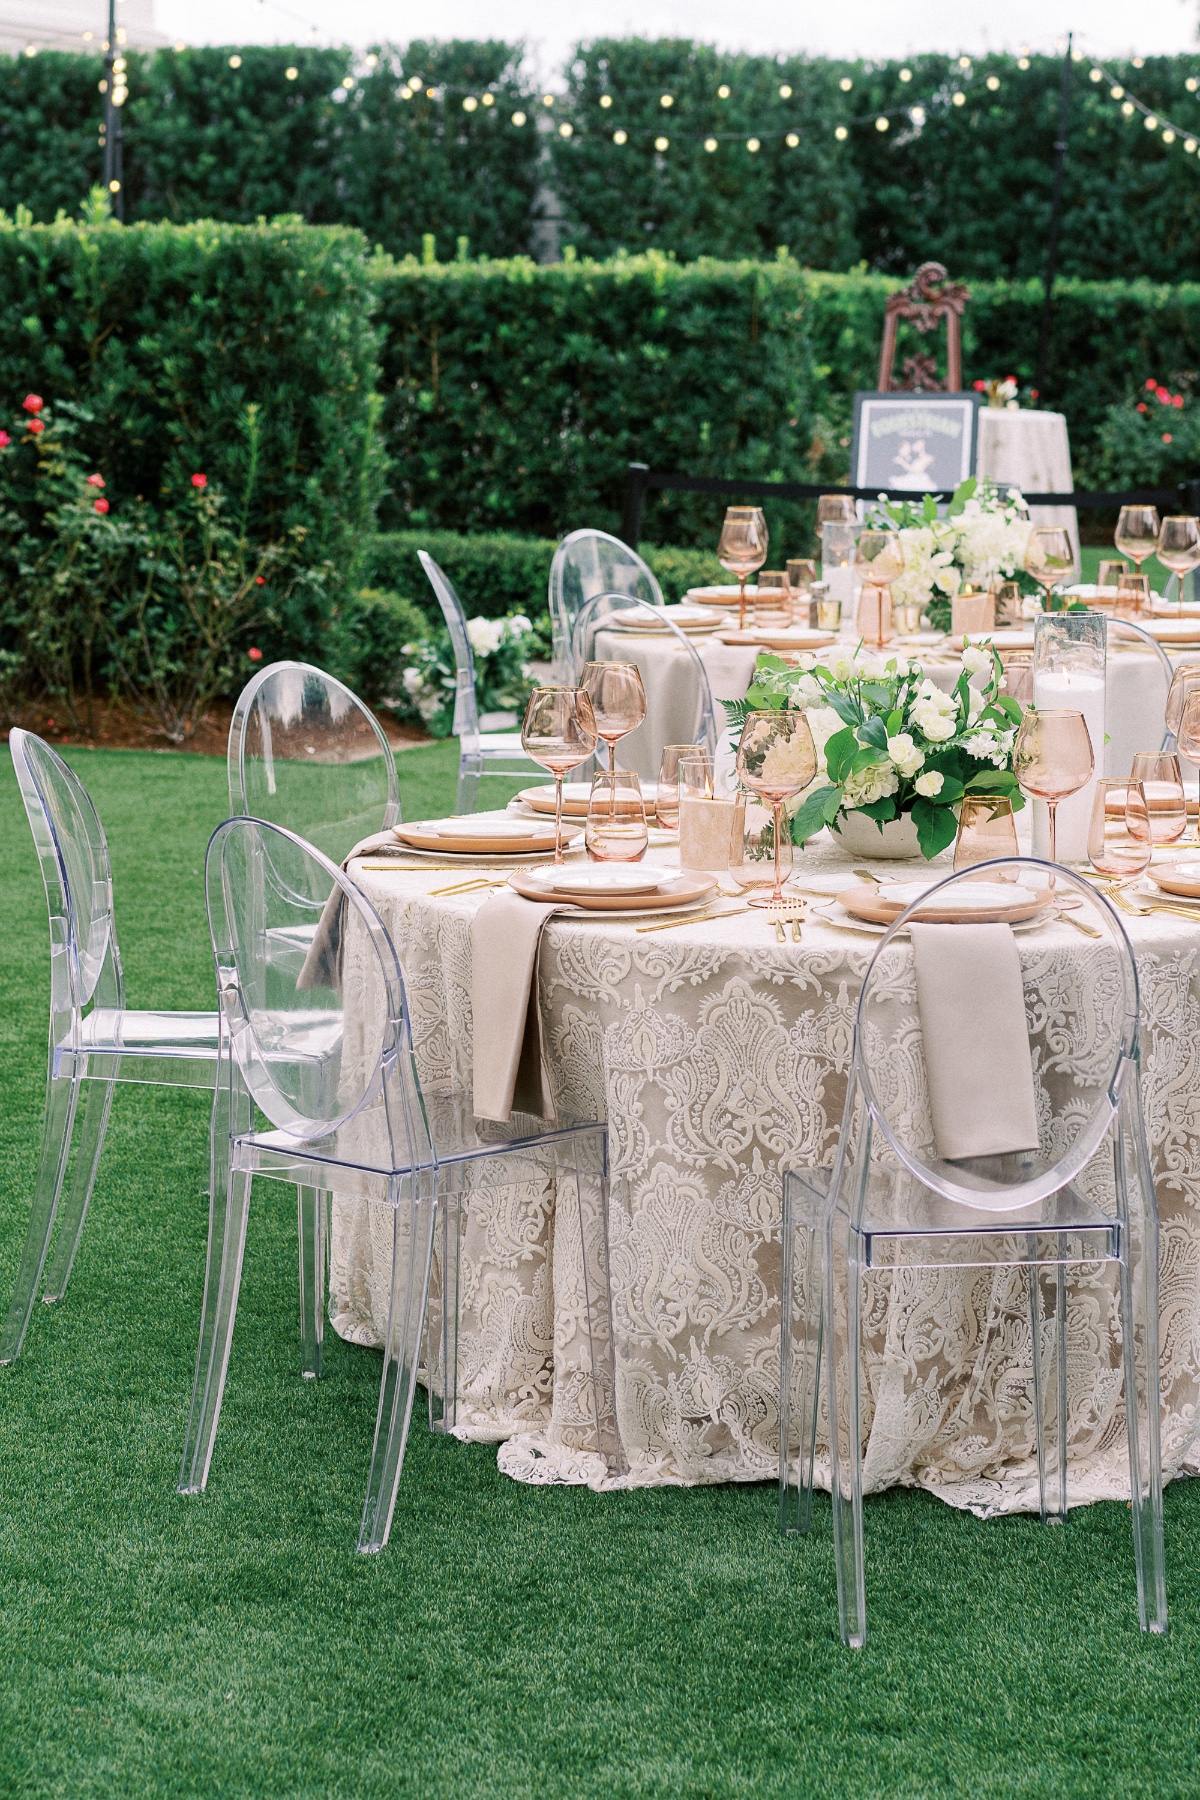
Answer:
(787, 912)
(1139, 908)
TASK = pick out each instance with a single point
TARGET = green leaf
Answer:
(895, 721)
(992, 781)
(840, 751)
(936, 827)
(963, 492)
(845, 708)
(812, 815)
(874, 731)
(879, 810)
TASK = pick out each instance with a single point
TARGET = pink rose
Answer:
(32, 403)
(199, 481)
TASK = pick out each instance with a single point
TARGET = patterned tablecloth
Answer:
(719, 1056)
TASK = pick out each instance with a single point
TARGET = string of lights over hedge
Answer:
(916, 114)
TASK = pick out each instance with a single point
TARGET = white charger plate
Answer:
(603, 878)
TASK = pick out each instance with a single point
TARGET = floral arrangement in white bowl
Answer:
(982, 534)
(891, 745)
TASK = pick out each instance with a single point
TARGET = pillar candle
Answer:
(705, 833)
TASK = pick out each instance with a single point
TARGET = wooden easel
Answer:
(928, 298)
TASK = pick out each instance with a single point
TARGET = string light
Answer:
(292, 73)
(959, 99)
(785, 92)
(470, 103)
(235, 62)
(518, 118)
(791, 140)
(489, 100)
(722, 92)
(606, 100)
(906, 74)
(710, 145)
(845, 84)
(881, 124)
(752, 144)
(661, 144)
(566, 129)
(621, 137)
(841, 134)
(666, 100)
(1191, 84)
(993, 83)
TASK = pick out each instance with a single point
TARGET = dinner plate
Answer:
(457, 837)
(836, 914)
(600, 878)
(722, 596)
(575, 797)
(989, 906)
(677, 889)
(1165, 801)
(1004, 637)
(789, 637)
(1174, 609)
(1177, 878)
(1185, 632)
(696, 621)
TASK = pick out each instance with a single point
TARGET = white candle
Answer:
(1070, 690)
(705, 833)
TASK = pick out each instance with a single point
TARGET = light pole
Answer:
(115, 92)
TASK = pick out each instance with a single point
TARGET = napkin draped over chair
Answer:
(510, 1068)
(977, 1061)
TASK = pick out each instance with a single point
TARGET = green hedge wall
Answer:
(165, 334)
(515, 395)
(970, 184)
(498, 573)
(203, 139)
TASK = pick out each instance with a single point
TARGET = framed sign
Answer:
(912, 442)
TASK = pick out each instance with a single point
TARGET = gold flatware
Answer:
(695, 919)
(1087, 930)
(467, 887)
(789, 913)
(866, 875)
(1139, 908)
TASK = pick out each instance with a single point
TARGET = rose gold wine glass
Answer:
(1052, 758)
(1162, 782)
(1136, 535)
(1178, 546)
(742, 548)
(618, 701)
(560, 733)
(1049, 557)
(1119, 832)
(777, 759)
(986, 830)
(1187, 729)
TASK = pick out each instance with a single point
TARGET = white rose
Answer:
(932, 722)
(937, 697)
(414, 681)
(904, 753)
(975, 704)
(929, 784)
(842, 668)
(976, 661)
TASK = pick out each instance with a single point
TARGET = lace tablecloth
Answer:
(719, 1056)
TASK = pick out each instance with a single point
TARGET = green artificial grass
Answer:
(511, 1641)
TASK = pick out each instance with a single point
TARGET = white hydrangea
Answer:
(414, 682)
(1031, 607)
(876, 782)
(990, 746)
(485, 635)
(929, 785)
(905, 754)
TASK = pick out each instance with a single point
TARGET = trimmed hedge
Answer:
(970, 184)
(515, 395)
(165, 334)
(496, 574)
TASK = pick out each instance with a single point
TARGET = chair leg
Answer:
(1049, 1396)
(311, 1211)
(1060, 1386)
(799, 1364)
(83, 1179)
(846, 1477)
(469, 771)
(412, 1251)
(1139, 1338)
(228, 1211)
(441, 1333)
(62, 1100)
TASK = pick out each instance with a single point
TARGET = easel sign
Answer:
(913, 442)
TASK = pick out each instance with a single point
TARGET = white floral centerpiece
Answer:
(890, 744)
(983, 534)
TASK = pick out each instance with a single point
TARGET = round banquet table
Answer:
(719, 1057)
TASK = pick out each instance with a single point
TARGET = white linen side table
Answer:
(1030, 451)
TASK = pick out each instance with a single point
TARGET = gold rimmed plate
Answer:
(678, 888)
(881, 905)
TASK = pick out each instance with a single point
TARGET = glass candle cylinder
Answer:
(1069, 654)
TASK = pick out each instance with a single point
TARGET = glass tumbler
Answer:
(616, 828)
(1119, 835)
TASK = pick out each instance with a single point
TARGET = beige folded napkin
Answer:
(977, 1058)
(509, 1057)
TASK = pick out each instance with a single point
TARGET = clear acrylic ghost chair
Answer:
(345, 1114)
(1138, 639)
(585, 564)
(94, 1037)
(480, 753)
(691, 717)
(306, 753)
(888, 1203)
